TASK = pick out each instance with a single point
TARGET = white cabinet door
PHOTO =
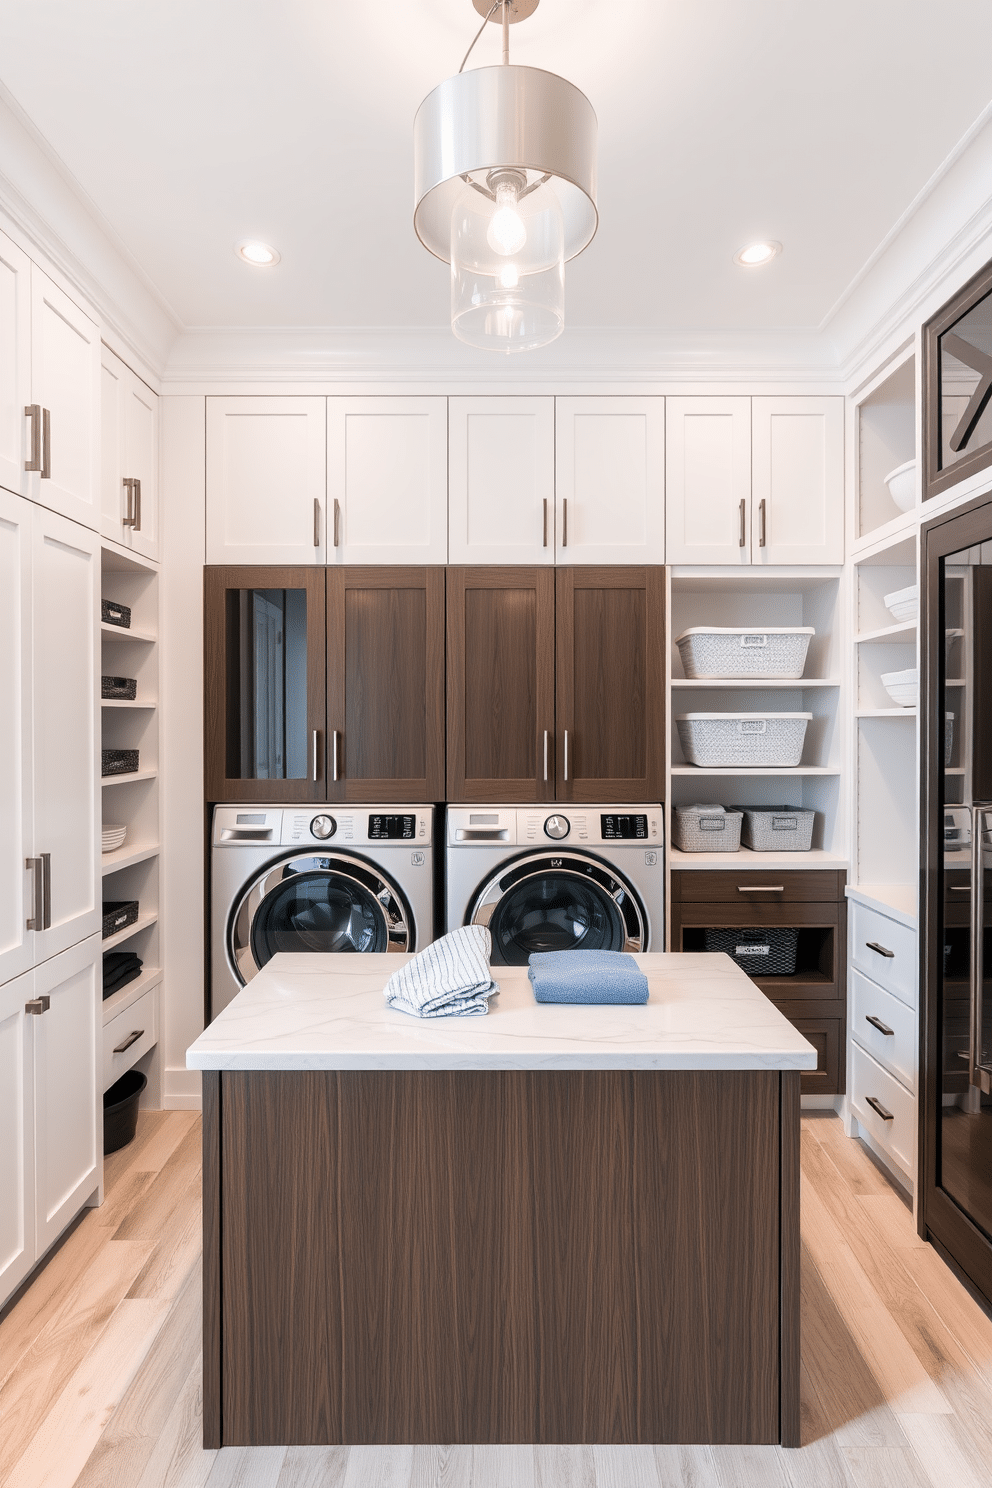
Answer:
(65, 381)
(708, 480)
(501, 480)
(797, 513)
(65, 579)
(610, 480)
(266, 480)
(15, 363)
(113, 496)
(387, 480)
(17, 1238)
(141, 463)
(16, 941)
(68, 1147)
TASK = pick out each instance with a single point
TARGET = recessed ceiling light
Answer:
(260, 255)
(756, 254)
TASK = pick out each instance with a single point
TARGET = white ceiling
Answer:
(190, 124)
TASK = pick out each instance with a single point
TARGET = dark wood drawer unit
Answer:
(814, 997)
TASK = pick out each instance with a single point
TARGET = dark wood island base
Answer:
(501, 1256)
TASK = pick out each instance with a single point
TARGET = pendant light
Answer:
(505, 191)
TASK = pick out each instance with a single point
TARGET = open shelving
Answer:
(886, 438)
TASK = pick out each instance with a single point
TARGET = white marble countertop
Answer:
(307, 1012)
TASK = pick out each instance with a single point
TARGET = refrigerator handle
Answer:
(978, 1076)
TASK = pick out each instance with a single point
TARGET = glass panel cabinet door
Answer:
(958, 387)
(264, 712)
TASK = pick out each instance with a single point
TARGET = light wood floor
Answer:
(100, 1369)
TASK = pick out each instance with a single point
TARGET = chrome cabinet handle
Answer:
(880, 950)
(545, 529)
(337, 522)
(564, 522)
(876, 1105)
(316, 523)
(565, 771)
(132, 1038)
(137, 505)
(742, 542)
(46, 444)
(545, 754)
(877, 1023)
(761, 888)
(334, 755)
(761, 523)
(316, 754)
(37, 1006)
(33, 412)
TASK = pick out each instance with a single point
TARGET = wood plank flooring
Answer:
(100, 1359)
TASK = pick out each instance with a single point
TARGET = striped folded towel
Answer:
(586, 976)
(451, 976)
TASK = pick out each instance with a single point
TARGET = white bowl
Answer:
(903, 604)
(902, 485)
(902, 687)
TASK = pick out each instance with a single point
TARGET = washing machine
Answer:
(316, 878)
(583, 878)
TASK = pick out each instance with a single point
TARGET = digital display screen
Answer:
(623, 826)
(392, 826)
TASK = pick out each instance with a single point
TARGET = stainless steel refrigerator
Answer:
(955, 1208)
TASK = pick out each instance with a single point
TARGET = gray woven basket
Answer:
(777, 828)
(713, 651)
(720, 740)
(701, 829)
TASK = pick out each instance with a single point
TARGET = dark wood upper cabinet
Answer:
(264, 683)
(501, 684)
(385, 684)
(610, 626)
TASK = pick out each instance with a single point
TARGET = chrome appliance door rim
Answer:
(391, 902)
(584, 868)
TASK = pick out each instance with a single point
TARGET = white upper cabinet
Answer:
(266, 480)
(129, 458)
(610, 480)
(16, 948)
(15, 363)
(797, 511)
(65, 391)
(708, 483)
(387, 480)
(501, 480)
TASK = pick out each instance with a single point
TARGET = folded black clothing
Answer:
(119, 968)
(128, 974)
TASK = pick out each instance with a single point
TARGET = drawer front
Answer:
(767, 886)
(825, 1036)
(885, 951)
(872, 1083)
(141, 1018)
(895, 1049)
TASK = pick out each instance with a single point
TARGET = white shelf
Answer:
(141, 923)
(118, 1001)
(747, 858)
(106, 780)
(899, 899)
(759, 684)
(745, 772)
(120, 633)
(128, 703)
(886, 713)
(126, 857)
(904, 631)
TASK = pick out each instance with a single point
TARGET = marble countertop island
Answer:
(316, 1012)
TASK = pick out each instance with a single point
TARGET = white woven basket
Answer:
(711, 651)
(720, 740)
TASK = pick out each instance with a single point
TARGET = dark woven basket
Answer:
(773, 953)
(118, 761)
(125, 688)
(116, 614)
(118, 914)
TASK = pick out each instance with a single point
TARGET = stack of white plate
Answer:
(902, 687)
(113, 837)
(903, 604)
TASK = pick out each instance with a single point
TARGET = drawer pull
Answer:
(761, 888)
(876, 1105)
(960, 888)
(132, 1038)
(877, 1023)
(880, 950)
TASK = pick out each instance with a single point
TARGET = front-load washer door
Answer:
(317, 903)
(564, 902)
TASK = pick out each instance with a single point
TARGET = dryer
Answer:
(316, 878)
(582, 878)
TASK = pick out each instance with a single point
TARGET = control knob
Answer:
(323, 827)
(557, 827)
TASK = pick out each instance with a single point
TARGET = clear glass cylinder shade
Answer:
(507, 263)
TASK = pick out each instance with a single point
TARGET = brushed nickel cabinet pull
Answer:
(761, 523)
(37, 1006)
(137, 505)
(565, 771)
(316, 522)
(46, 889)
(877, 1023)
(564, 521)
(34, 867)
(128, 518)
(876, 1105)
(880, 950)
(316, 755)
(132, 1038)
(761, 888)
(46, 444)
(545, 754)
(742, 541)
(337, 522)
(545, 521)
(33, 412)
(334, 755)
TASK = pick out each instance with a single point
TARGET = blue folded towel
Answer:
(586, 976)
(450, 977)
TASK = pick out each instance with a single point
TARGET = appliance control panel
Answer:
(290, 826)
(520, 826)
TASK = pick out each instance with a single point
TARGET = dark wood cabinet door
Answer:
(385, 684)
(264, 683)
(610, 683)
(501, 689)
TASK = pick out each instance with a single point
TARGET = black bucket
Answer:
(120, 1110)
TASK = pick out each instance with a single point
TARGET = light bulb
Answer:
(506, 233)
(508, 276)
